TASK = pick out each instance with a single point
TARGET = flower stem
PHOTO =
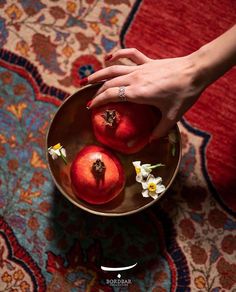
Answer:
(173, 150)
(156, 165)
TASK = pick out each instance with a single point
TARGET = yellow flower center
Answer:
(57, 146)
(138, 170)
(152, 187)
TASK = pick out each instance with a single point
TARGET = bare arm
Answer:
(218, 56)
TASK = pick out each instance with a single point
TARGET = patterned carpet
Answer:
(185, 243)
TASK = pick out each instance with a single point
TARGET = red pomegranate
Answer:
(97, 176)
(125, 127)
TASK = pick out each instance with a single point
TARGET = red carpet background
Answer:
(172, 29)
(187, 242)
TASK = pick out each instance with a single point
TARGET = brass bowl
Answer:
(71, 126)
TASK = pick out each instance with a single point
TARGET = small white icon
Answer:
(119, 276)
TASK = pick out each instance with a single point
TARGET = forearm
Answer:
(216, 57)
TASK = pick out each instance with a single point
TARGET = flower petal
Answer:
(145, 185)
(145, 171)
(136, 163)
(151, 178)
(160, 189)
(54, 156)
(57, 152)
(63, 152)
(145, 193)
(50, 151)
(146, 168)
(153, 195)
(157, 180)
(139, 178)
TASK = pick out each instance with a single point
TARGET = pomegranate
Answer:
(125, 127)
(97, 176)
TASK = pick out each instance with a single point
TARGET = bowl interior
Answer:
(71, 126)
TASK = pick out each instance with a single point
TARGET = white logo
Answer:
(118, 282)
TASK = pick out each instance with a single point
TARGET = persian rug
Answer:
(187, 242)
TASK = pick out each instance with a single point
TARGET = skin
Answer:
(173, 85)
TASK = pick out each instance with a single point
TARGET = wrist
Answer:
(206, 66)
(215, 58)
(201, 77)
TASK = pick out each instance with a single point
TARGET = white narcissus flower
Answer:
(57, 151)
(152, 187)
(142, 171)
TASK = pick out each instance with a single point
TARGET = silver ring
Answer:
(122, 94)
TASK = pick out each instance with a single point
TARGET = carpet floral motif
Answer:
(18, 271)
(206, 233)
(185, 243)
(58, 38)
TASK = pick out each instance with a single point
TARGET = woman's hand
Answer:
(172, 85)
(169, 84)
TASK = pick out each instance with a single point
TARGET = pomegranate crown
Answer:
(98, 168)
(110, 117)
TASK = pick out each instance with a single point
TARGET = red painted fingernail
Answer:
(88, 104)
(108, 57)
(83, 81)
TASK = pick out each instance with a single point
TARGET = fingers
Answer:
(117, 70)
(115, 82)
(109, 72)
(109, 92)
(133, 54)
(109, 95)
(162, 128)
